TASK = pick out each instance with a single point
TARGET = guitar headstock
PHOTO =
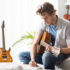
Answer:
(67, 4)
(3, 24)
(67, 7)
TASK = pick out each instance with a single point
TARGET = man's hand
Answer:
(32, 63)
(48, 48)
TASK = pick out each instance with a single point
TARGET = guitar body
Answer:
(46, 37)
(5, 55)
(67, 17)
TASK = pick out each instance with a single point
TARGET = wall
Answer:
(68, 1)
(62, 7)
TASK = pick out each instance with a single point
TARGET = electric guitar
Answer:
(4, 54)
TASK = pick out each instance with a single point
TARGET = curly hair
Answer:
(46, 7)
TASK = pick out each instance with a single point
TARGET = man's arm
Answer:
(65, 50)
(34, 46)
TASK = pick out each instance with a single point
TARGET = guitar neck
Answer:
(3, 37)
(44, 44)
(67, 13)
(54, 50)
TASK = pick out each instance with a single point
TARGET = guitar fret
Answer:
(54, 50)
(43, 43)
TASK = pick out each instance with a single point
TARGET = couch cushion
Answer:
(65, 65)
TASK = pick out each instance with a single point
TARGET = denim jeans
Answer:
(48, 59)
(25, 57)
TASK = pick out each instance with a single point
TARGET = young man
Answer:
(59, 29)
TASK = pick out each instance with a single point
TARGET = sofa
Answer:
(65, 65)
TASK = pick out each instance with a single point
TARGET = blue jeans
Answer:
(25, 57)
(47, 59)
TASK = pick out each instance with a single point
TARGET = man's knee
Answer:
(48, 60)
(24, 56)
(47, 55)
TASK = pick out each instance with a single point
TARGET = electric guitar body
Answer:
(5, 55)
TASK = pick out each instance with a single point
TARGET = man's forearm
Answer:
(33, 52)
(65, 50)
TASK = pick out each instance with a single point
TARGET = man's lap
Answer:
(25, 56)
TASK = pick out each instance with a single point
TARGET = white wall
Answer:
(68, 1)
(62, 7)
(10, 12)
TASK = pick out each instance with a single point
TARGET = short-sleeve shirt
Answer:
(62, 29)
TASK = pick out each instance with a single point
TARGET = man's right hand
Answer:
(32, 63)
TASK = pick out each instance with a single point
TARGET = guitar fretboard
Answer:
(3, 37)
(44, 43)
(54, 50)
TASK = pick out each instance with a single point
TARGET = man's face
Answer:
(47, 18)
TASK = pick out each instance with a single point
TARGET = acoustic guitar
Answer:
(45, 41)
(46, 37)
(4, 54)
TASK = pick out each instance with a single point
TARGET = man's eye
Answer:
(46, 17)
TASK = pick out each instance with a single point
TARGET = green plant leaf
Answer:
(28, 36)
(18, 41)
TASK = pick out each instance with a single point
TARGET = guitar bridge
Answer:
(4, 59)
